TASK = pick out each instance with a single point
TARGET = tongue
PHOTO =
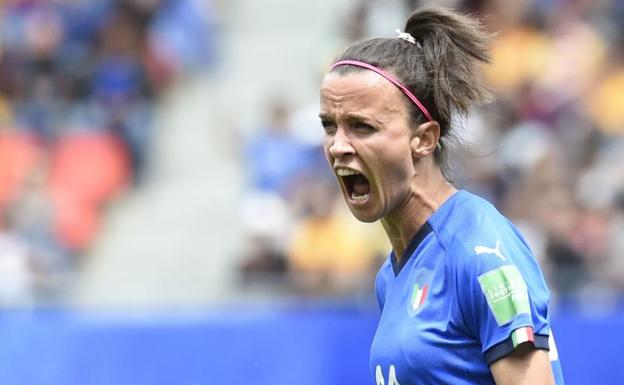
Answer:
(360, 185)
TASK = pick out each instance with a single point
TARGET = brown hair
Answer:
(441, 69)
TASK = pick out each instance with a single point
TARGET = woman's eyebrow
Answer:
(350, 117)
(325, 116)
(354, 116)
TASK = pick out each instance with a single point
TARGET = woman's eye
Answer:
(363, 127)
(329, 127)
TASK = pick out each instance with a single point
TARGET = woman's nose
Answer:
(341, 145)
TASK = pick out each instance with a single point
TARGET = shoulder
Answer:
(469, 225)
(485, 253)
(500, 287)
(479, 241)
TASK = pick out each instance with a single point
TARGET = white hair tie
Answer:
(405, 36)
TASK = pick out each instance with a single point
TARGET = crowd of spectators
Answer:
(79, 80)
(548, 152)
(557, 132)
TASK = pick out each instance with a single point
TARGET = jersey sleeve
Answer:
(502, 293)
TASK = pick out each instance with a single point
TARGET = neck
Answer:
(427, 193)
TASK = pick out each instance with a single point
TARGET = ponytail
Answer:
(452, 45)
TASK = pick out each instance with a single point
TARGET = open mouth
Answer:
(356, 184)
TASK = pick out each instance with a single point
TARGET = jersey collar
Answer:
(417, 239)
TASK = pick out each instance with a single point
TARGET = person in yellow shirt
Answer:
(330, 252)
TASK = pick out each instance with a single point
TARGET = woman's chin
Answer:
(364, 213)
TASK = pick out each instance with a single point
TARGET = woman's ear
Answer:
(425, 139)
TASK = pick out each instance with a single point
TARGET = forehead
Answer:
(362, 92)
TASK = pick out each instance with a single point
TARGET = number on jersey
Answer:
(392, 380)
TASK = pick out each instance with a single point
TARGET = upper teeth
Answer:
(345, 172)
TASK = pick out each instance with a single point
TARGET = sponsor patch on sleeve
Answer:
(506, 293)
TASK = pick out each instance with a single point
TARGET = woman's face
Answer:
(367, 142)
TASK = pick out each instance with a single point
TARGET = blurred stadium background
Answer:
(166, 216)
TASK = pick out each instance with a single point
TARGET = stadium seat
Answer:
(19, 155)
(86, 172)
(92, 168)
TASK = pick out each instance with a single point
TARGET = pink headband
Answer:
(390, 78)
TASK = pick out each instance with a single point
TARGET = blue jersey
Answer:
(466, 293)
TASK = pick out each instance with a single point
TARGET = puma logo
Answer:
(487, 250)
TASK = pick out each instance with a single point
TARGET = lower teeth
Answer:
(358, 197)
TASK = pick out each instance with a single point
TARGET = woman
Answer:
(462, 298)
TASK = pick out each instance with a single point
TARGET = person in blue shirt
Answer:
(462, 298)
